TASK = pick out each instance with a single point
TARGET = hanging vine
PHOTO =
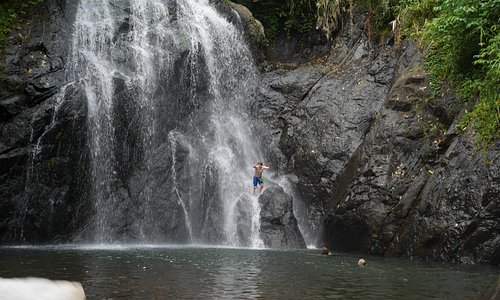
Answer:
(329, 14)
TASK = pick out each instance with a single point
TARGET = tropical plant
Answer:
(12, 11)
(462, 45)
(329, 15)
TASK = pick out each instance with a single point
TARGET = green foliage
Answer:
(407, 13)
(12, 11)
(381, 12)
(283, 16)
(52, 163)
(7, 17)
(462, 46)
(413, 14)
(328, 14)
(484, 118)
(454, 37)
(299, 15)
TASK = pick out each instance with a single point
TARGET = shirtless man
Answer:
(324, 249)
(257, 176)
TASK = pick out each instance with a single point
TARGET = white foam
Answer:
(125, 247)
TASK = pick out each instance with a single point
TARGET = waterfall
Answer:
(169, 86)
(92, 63)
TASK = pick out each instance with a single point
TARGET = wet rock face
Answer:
(254, 31)
(279, 228)
(420, 190)
(375, 159)
(319, 115)
(33, 62)
(42, 133)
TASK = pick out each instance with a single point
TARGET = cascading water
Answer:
(92, 61)
(168, 85)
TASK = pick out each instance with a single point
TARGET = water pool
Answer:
(155, 272)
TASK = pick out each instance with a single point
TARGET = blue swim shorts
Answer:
(257, 180)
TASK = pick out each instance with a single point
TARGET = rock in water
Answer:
(41, 289)
(279, 228)
(493, 290)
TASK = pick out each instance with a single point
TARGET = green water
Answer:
(214, 273)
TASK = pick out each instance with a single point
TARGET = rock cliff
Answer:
(372, 155)
(375, 156)
(42, 143)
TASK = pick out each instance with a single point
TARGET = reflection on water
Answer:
(177, 272)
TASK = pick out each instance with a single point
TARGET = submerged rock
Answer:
(493, 290)
(279, 228)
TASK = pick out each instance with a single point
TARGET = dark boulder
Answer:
(253, 29)
(420, 189)
(279, 228)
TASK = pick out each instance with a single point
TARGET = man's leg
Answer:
(261, 187)
(254, 184)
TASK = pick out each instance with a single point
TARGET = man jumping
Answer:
(257, 177)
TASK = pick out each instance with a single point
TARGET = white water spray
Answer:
(180, 58)
(92, 63)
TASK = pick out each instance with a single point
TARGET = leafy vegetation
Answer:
(283, 16)
(462, 46)
(13, 11)
(329, 13)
